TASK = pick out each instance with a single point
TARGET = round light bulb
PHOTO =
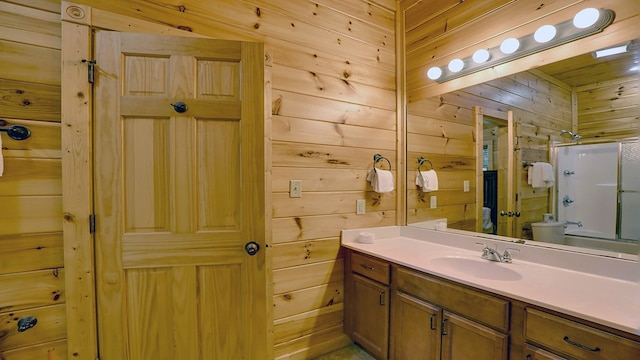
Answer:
(586, 17)
(545, 33)
(434, 73)
(456, 65)
(509, 46)
(481, 56)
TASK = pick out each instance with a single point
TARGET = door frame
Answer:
(78, 21)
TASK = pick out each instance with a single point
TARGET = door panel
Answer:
(178, 194)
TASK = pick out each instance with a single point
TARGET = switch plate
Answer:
(295, 188)
(361, 207)
(433, 202)
(466, 185)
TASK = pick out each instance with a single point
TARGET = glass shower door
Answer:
(629, 194)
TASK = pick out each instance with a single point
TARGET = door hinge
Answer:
(92, 223)
(91, 65)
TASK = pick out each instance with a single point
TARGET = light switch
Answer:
(466, 185)
(295, 188)
(433, 202)
(361, 207)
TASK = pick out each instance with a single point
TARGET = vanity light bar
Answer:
(611, 51)
(514, 48)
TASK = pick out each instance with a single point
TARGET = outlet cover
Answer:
(361, 207)
(466, 185)
(433, 202)
(295, 188)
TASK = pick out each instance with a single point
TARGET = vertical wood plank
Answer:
(77, 191)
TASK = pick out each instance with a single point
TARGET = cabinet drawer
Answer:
(484, 308)
(577, 340)
(370, 267)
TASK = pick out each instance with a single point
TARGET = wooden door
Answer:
(463, 339)
(415, 328)
(177, 196)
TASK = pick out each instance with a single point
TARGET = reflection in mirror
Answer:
(582, 100)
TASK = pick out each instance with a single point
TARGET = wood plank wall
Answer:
(31, 248)
(334, 107)
(610, 109)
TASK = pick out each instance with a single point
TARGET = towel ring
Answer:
(377, 158)
(421, 161)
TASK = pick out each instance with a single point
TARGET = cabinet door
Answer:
(371, 316)
(534, 353)
(463, 339)
(415, 328)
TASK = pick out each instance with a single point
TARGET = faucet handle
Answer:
(507, 254)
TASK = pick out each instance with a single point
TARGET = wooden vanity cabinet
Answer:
(435, 319)
(367, 303)
(415, 328)
(430, 318)
(565, 337)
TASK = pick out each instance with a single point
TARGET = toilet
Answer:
(551, 232)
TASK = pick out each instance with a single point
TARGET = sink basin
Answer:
(479, 268)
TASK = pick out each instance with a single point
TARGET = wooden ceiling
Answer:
(586, 69)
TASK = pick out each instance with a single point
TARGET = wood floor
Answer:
(351, 352)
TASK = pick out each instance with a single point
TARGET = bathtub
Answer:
(602, 244)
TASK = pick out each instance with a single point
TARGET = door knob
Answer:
(252, 248)
(180, 107)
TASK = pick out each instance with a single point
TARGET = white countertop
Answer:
(595, 288)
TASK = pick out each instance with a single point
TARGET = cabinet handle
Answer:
(527, 357)
(368, 267)
(583, 347)
(432, 323)
(443, 331)
(382, 298)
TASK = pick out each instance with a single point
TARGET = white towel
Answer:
(381, 180)
(1, 158)
(486, 219)
(541, 175)
(427, 180)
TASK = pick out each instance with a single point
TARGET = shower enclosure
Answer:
(598, 190)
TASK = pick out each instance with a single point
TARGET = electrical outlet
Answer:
(295, 188)
(361, 207)
(466, 185)
(433, 202)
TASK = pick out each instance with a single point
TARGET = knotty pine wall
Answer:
(334, 92)
(610, 109)
(31, 248)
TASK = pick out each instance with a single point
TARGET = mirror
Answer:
(555, 106)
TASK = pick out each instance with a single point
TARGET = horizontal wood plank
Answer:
(49, 350)
(295, 326)
(304, 276)
(30, 214)
(300, 301)
(51, 326)
(305, 252)
(24, 100)
(293, 229)
(31, 289)
(30, 252)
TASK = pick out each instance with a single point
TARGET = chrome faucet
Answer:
(567, 223)
(493, 255)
